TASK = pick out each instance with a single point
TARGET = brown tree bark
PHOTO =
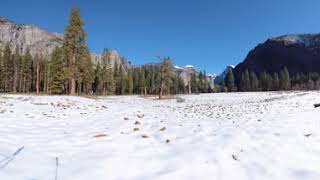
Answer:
(73, 80)
(38, 77)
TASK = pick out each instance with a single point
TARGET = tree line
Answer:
(70, 70)
(282, 81)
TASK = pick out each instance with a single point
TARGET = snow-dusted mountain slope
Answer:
(304, 39)
(215, 136)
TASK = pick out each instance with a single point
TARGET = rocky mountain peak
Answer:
(299, 53)
(39, 41)
(299, 39)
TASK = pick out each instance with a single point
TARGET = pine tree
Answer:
(8, 68)
(194, 83)
(142, 81)
(245, 81)
(1, 72)
(37, 60)
(122, 81)
(97, 84)
(165, 76)
(200, 81)
(129, 84)
(106, 74)
(229, 80)
(16, 66)
(266, 81)
(74, 45)
(181, 85)
(87, 73)
(45, 74)
(275, 81)
(223, 87)
(285, 81)
(153, 79)
(27, 71)
(56, 72)
(206, 84)
(242, 86)
(109, 81)
(254, 81)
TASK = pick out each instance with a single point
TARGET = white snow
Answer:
(236, 136)
(177, 67)
(189, 66)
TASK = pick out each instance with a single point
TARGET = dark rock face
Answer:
(299, 53)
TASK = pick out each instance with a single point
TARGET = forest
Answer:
(70, 70)
(282, 81)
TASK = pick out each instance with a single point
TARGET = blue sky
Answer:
(206, 33)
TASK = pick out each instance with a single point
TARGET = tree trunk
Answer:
(73, 80)
(161, 89)
(189, 87)
(24, 84)
(160, 94)
(20, 81)
(73, 87)
(38, 78)
(15, 80)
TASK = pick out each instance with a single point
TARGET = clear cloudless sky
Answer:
(209, 34)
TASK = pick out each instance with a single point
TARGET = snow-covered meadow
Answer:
(232, 136)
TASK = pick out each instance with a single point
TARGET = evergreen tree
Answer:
(194, 83)
(109, 81)
(129, 85)
(16, 66)
(116, 75)
(254, 81)
(245, 81)
(87, 73)
(206, 84)
(45, 74)
(150, 78)
(136, 76)
(265, 81)
(36, 74)
(122, 81)
(27, 72)
(181, 85)
(56, 72)
(74, 45)
(142, 81)
(1, 72)
(8, 68)
(275, 81)
(165, 76)
(201, 80)
(242, 85)
(97, 85)
(285, 81)
(223, 87)
(117, 78)
(229, 81)
(106, 74)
